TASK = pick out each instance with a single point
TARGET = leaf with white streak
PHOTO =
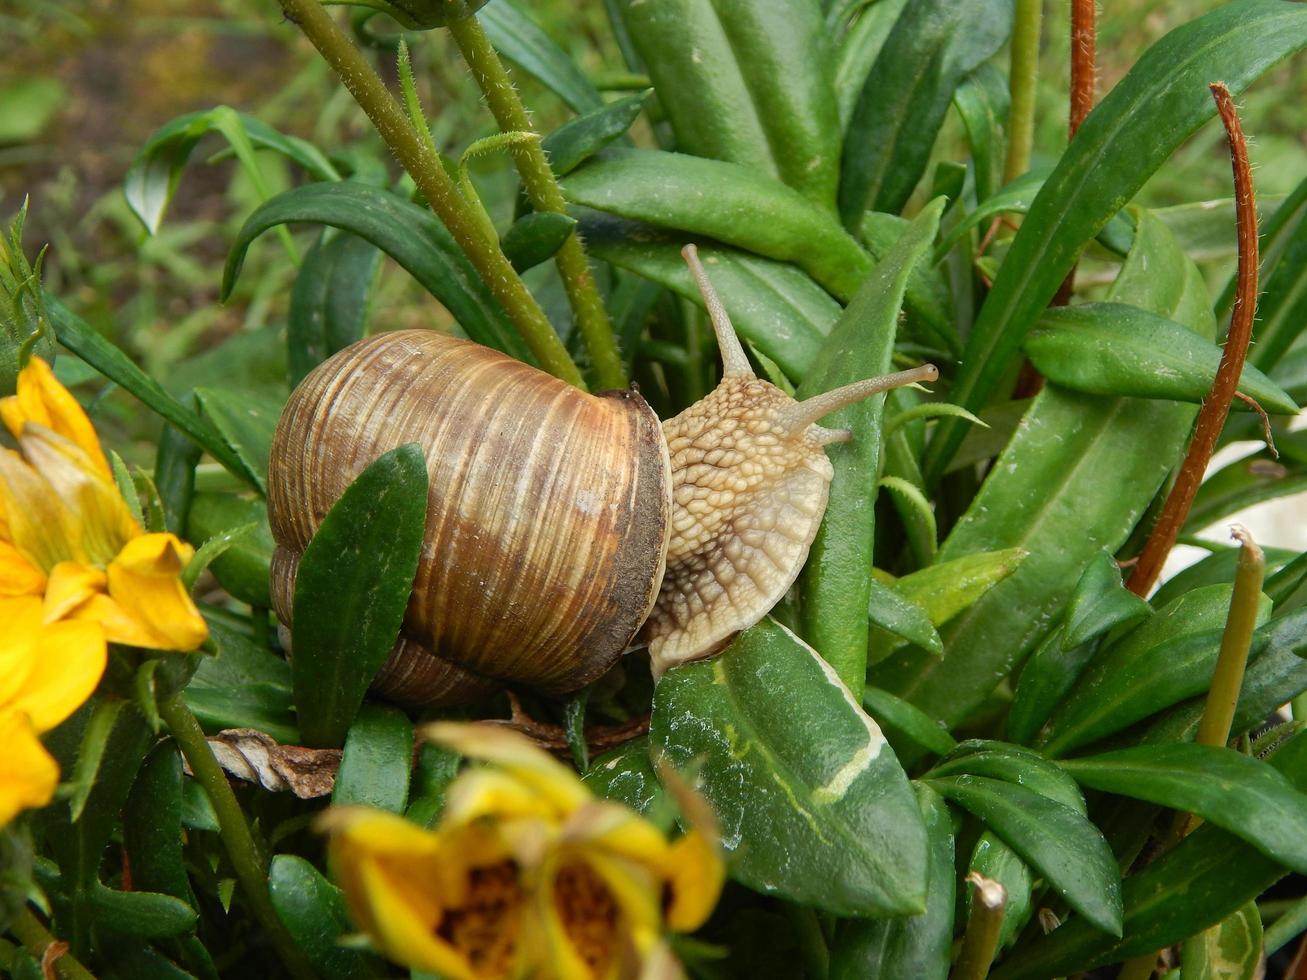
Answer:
(812, 803)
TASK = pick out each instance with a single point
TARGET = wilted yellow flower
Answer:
(46, 672)
(67, 535)
(527, 874)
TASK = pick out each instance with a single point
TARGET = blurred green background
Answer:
(83, 83)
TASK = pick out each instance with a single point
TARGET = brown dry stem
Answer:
(1215, 409)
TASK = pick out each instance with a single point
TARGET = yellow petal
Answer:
(403, 933)
(70, 659)
(145, 584)
(101, 518)
(18, 576)
(41, 399)
(695, 873)
(488, 793)
(39, 525)
(377, 832)
(71, 585)
(619, 830)
(22, 626)
(28, 774)
(517, 755)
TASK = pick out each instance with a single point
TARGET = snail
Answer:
(561, 526)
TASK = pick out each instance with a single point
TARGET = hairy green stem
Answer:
(1288, 926)
(543, 192)
(436, 186)
(36, 938)
(1022, 78)
(248, 858)
(984, 925)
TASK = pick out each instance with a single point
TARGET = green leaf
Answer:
(626, 774)
(900, 719)
(1238, 485)
(78, 336)
(577, 140)
(27, 105)
(947, 588)
(1196, 884)
(313, 911)
(1276, 674)
(1114, 349)
(242, 566)
(983, 102)
(104, 716)
(352, 587)
(772, 305)
(917, 946)
(436, 768)
(1075, 478)
(1127, 137)
(152, 826)
(1012, 197)
(378, 756)
(887, 144)
(745, 81)
(858, 50)
(749, 210)
(1054, 839)
(1231, 950)
(244, 686)
(246, 421)
(812, 803)
(153, 176)
(1100, 603)
(999, 760)
(998, 862)
(148, 915)
(1166, 659)
(535, 238)
(517, 38)
(1282, 306)
(329, 302)
(1233, 791)
(408, 233)
(834, 582)
(903, 618)
(212, 549)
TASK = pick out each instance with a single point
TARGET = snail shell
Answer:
(559, 523)
(546, 515)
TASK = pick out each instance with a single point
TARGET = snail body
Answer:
(559, 524)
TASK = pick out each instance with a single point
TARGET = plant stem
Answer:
(543, 192)
(1023, 75)
(1211, 417)
(1083, 70)
(436, 186)
(1286, 927)
(980, 941)
(37, 939)
(248, 858)
(1227, 678)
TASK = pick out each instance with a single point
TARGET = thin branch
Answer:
(1212, 416)
(1083, 69)
(984, 926)
(53, 953)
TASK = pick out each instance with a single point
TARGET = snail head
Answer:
(750, 479)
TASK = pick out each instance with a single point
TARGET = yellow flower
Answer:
(527, 874)
(46, 672)
(67, 535)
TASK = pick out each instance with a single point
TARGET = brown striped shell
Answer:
(546, 516)
(553, 514)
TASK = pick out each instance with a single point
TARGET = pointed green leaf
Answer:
(903, 618)
(374, 768)
(1128, 136)
(517, 37)
(329, 302)
(577, 140)
(352, 587)
(899, 719)
(1100, 603)
(246, 421)
(1054, 839)
(811, 802)
(313, 911)
(834, 583)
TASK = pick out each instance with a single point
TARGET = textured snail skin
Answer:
(546, 516)
(748, 496)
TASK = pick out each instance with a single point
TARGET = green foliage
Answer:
(958, 681)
